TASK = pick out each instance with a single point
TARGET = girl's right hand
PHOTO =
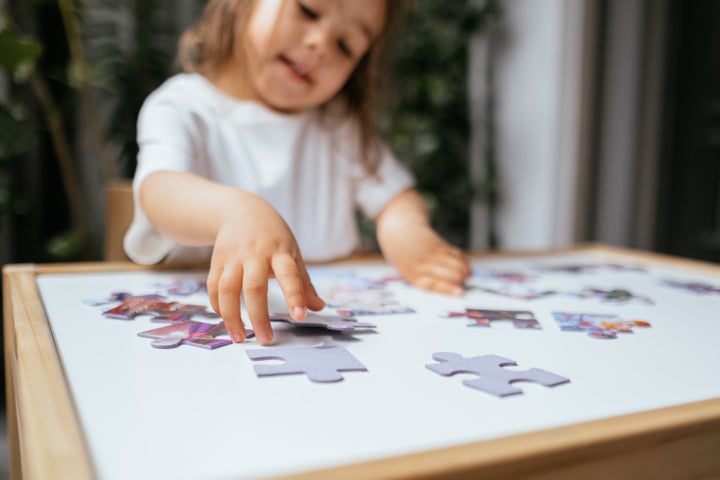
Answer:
(253, 244)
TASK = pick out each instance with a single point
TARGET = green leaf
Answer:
(17, 53)
(15, 137)
(64, 246)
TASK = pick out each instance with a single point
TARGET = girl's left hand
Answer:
(409, 243)
(425, 260)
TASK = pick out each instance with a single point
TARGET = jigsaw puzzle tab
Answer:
(339, 324)
(493, 378)
(320, 364)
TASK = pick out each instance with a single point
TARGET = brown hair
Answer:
(206, 46)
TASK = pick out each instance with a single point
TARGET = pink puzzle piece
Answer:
(161, 310)
(493, 378)
(189, 332)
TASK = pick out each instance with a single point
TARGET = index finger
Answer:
(229, 286)
(255, 288)
(290, 279)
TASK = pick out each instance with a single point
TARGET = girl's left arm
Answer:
(409, 242)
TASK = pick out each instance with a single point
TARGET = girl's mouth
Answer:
(296, 70)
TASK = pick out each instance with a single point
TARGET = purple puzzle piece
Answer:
(320, 364)
(481, 318)
(494, 379)
(190, 332)
(340, 324)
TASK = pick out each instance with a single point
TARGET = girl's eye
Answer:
(307, 11)
(344, 48)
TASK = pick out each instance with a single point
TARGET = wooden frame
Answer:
(46, 439)
(118, 216)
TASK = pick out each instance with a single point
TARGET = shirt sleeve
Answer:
(374, 192)
(165, 142)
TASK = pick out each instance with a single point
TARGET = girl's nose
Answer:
(317, 39)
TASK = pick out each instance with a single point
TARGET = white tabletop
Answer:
(146, 412)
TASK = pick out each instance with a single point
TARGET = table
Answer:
(60, 426)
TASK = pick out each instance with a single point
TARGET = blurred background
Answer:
(529, 124)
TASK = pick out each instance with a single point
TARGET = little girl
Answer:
(265, 147)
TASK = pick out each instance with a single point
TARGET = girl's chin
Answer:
(284, 105)
(286, 101)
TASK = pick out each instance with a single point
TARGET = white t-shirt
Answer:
(308, 171)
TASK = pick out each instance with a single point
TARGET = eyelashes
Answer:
(344, 48)
(311, 14)
(308, 12)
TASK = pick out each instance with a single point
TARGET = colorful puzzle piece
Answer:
(596, 325)
(190, 332)
(120, 297)
(162, 310)
(320, 364)
(592, 267)
(339, 324)
(374, 310)
(482, 318)
(517, 291)
(615, 296)
(493, 378)
(699, 288)
(370, 301)
(353, 295)
(483, 275)
(183, 287)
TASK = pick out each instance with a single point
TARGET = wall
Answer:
(539, 98)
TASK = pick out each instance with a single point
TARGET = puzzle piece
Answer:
(340, 324)
(374, 310)
(121, 297)
(592, 268)
(320, 364)
(493, 379)
(699, 288)
(482, 318)
(183, 287)
(353, 295)
(190, 332)
(484, 275)
(154, 304)
(596, 325)
(615, 296)
(517, 291)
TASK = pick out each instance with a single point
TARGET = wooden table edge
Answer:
(45, 435)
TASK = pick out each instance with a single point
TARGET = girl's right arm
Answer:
(251, 243)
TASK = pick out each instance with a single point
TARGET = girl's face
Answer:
(299, 53)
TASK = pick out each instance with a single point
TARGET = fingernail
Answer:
(458, 292)
(237, 337)
(262, 337)
(298, 312)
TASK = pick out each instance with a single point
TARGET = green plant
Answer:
(428, 125)
(54, 113)
(129, 60)
(95, 64)
(17, 58)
